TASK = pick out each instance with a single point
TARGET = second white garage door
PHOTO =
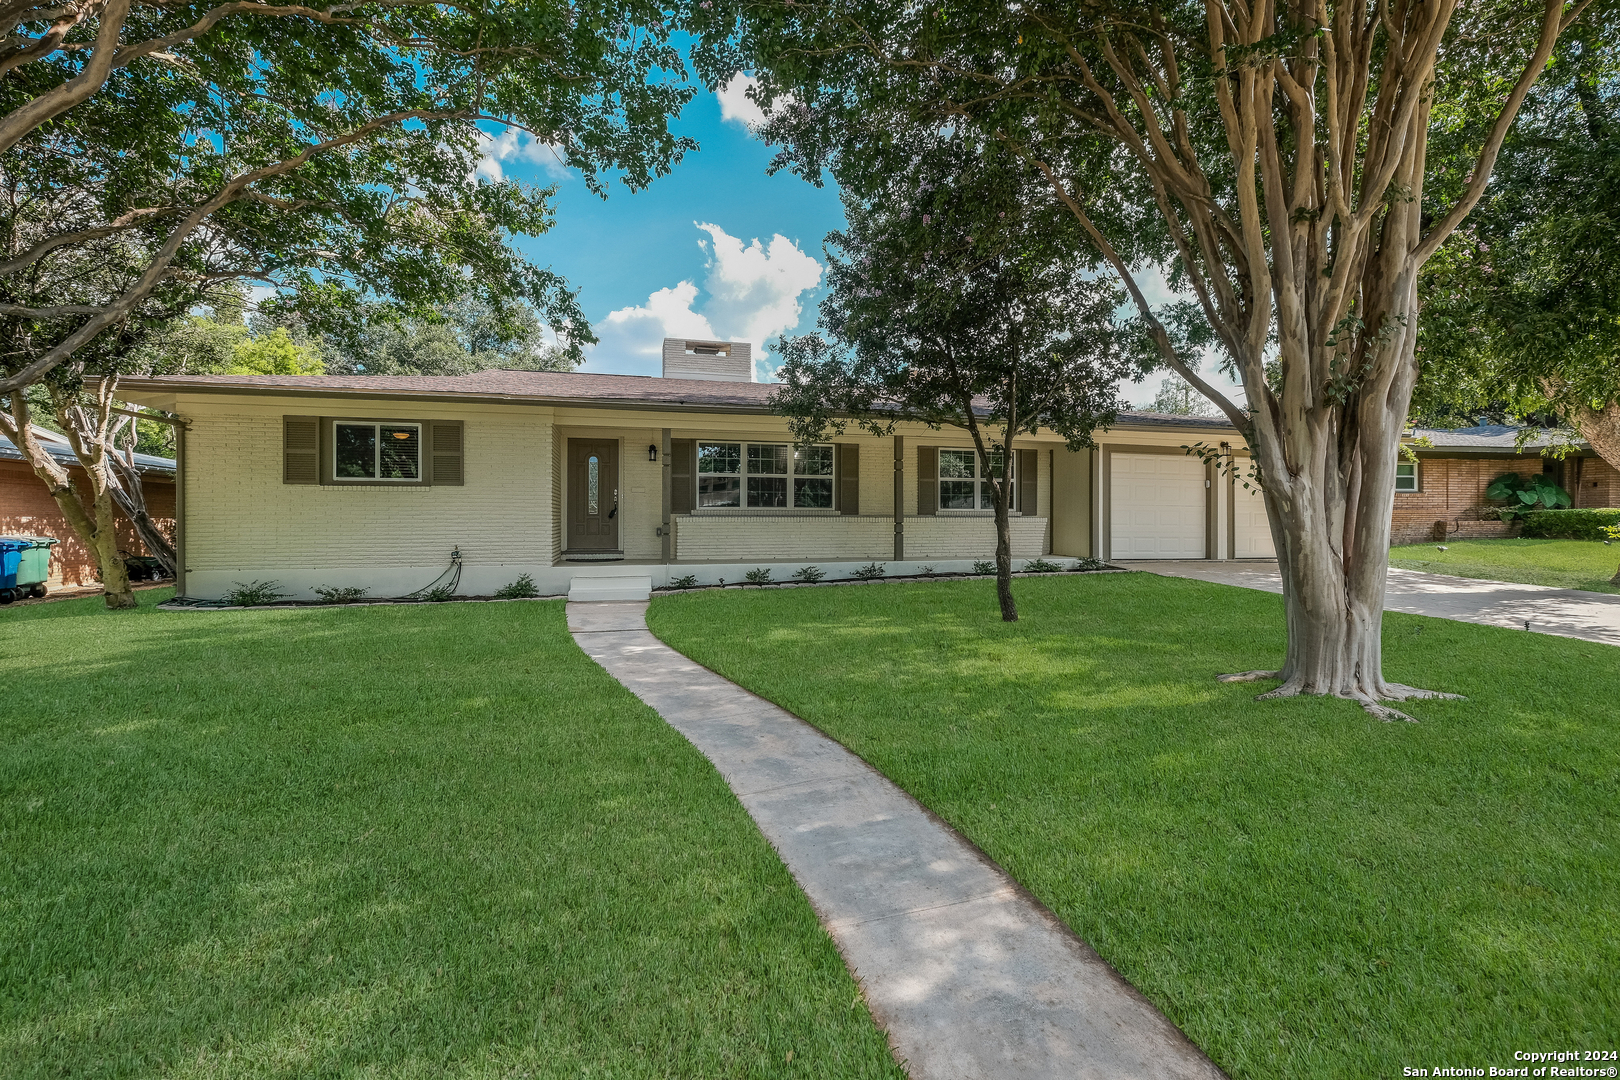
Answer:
(1158, 506)
(1251, 532)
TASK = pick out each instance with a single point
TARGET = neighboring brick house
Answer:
(27, 509)
(1443, 494)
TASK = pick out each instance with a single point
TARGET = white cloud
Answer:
(736, 106)
(754, 292)
(510, 144)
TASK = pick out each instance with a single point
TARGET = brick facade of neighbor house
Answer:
(27, 509)
(1454, 472)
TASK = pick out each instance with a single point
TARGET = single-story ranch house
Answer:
(608, 484)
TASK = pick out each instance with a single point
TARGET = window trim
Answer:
(424, 460)
(1009, 465)
(1417, 481)
(742, 475)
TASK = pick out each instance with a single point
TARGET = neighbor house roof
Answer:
(531, 387)
(63, 453)
(1495, 439)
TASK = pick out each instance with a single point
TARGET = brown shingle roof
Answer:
(540, 386)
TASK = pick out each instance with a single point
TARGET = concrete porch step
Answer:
(586, 588)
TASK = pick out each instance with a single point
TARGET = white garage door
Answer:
(1158, 506)
(1251, 533)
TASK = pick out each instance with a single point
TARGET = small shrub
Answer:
(809, 574)
(254, 593)
(339, 594)
(439, 593)
(759, 575)
(1089, 563)
(1041, 566)
(521, 589)
(870, 572)
(685, 581)
(928, 571)
(983, 567)
(1569, 524)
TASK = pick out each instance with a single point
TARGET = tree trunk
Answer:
(1601, 428)
(1004, 595)
(114, 575)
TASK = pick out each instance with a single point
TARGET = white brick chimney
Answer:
(719, 361)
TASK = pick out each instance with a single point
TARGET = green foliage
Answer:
(254, 593)
(685, 581)
(347, 594)
(984, 566)
(457, 339)
(1525, 494)
(1570, 524)
(1558, 563)
(274, 354)
(759, 575)
(870, 572)
(1041, 566)
(439, 593)
(809, 574)
(1520, 319)
(521, 589)
(341, 155)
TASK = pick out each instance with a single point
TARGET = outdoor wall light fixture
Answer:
(652, 451)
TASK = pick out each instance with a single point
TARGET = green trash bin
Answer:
(34, 565)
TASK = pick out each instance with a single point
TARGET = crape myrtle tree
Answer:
(1277, 152)
(332, 151)
(953, 300)
(1521, 310)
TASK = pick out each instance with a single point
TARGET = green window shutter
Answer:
(847, 463)
(927, 480)
(447, 452)
(682, 482)
(300, 450)
(1027, 470)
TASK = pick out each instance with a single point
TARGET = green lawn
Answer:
(386, 841)
(1568, 564)
(1305, 890)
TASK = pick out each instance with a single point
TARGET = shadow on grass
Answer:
(1305, 890)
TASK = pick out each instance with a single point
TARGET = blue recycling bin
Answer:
(25, 563)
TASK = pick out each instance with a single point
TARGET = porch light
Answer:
(652, 451)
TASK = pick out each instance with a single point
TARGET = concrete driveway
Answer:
(1565, 612)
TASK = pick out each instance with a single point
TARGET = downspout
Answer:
(666, 531)
(179, 509)
(899, 498)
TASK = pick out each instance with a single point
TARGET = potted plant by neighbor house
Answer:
(1525, 494)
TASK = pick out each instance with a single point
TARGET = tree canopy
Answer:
(151, 149)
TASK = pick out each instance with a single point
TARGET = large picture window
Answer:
(376, 452)
(764, 476)
(962, 484)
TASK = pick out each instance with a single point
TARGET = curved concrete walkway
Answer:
(970, 976)
(1565, 612)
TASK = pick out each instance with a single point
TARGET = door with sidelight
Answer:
(593, 495)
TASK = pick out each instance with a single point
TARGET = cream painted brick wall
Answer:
(744, 537)
(948, 537)
(240, 515)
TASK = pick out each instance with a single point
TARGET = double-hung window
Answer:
(376, 452)
(1406, 476)
(963, 485)
(764, 476)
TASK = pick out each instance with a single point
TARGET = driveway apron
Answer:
(1539, 608)
(969, 975)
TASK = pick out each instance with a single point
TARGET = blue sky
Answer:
(716, 248)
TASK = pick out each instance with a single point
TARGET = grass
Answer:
(402, 841)
(1305, 890)
(1567, 564)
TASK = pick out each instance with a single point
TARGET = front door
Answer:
(593, 495)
